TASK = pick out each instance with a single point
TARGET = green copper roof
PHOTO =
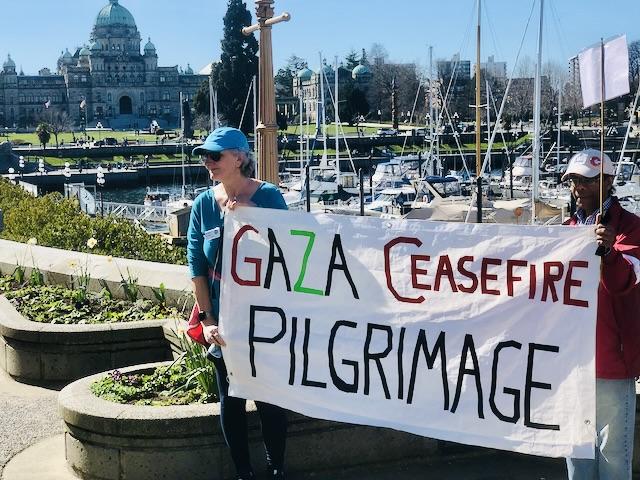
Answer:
(149, 47)
(305, 74)
(360, 70)
(114, 14)
(9, 62)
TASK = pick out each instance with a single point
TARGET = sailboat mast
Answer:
(336, 116)
(478, 121)
(321, 111)
(478, 92)
(558, 139)
(488, 124)
(182, 122)
(535, 167)
(301, 137)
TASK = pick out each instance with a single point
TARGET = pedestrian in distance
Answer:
(617, 233)
(225, 155)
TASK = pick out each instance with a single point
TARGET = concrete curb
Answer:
(51, 354)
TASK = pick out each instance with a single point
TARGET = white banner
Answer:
(616, 71)
(477, 334)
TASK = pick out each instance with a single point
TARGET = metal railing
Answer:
(134, 211)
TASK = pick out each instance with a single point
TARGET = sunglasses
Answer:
(584, 180)
(213, 156)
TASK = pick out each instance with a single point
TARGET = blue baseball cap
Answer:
(223, 138)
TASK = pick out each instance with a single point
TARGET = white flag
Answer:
(616, 71)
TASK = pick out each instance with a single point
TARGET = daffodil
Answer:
(32, 241)
(92, 242)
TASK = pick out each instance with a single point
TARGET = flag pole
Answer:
(602, 93)
(600, 251)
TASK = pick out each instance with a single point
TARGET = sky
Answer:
(35, 32)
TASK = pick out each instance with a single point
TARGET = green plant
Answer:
(57, 304)
(36, 278)
(129, 286)
(106, 291)
(202, 369)
(18, 274)
(161, 294)
(65, 226)
(172, 385)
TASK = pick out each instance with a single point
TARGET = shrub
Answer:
(58, 222)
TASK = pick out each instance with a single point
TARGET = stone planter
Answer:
(50, 354)
(110, 441)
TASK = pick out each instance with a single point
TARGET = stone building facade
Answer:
(109, 81)
(307, 84)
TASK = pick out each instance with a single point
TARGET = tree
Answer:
(351, 60)
(44, 135)
(284, 77)
(356, 104)
(238, 64)
(58, 121)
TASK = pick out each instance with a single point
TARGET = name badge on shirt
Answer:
(212, 234)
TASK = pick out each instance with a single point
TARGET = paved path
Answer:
(27, 414)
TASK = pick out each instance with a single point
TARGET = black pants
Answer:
(233, 418)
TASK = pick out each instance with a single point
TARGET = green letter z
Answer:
(298, 286)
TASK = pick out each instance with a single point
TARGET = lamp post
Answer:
(41, 166)
(12, 175)
(379, 116)
(21, 165)
(100, 181)
(67, 176)
(267, 128)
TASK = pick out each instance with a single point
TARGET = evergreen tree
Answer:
(351, 60)
(233, 74)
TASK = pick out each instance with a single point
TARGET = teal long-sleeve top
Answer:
(206, 216)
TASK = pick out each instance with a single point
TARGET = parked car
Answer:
(110, 141)
(386, 132)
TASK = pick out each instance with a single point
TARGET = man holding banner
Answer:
(618, 326)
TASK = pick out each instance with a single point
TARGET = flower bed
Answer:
(56, 304)
(112, 441)
(55, 354)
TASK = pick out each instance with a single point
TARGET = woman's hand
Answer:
(212, 335)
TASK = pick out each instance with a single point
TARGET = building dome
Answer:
(67, 54)
(84, 52)
(305, 74)
(149, 47)
(360, 71)
(326, 69)
(114, 14)
(188, 70)
(9, 63)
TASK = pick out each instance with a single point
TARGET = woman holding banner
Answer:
(617, 233)
(225, 155)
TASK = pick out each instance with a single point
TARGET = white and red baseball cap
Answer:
(587, 164)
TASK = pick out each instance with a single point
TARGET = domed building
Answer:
(109, 81)
(306, 83)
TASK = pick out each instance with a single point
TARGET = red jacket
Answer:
(618, 324)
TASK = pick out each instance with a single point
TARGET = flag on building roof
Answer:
(616, 71)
